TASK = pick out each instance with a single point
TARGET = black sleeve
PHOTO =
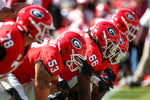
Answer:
(2, 53)
(86, 69)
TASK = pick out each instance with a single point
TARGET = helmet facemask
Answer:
(110, 48)
(116, 57)
(130, 34)
(43, 30)
(75, 62)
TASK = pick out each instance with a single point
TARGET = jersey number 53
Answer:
(53, 66)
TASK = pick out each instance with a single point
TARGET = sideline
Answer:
(113, 91)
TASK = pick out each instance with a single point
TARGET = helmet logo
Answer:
(130, 17)
(76, 43)
(121, 41)
(111, 31)
(37, 13)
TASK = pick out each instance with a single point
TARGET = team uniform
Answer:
(13, 44)
(48, 54)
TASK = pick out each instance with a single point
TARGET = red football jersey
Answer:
(48, 54)
(12, 41)
(94, 57)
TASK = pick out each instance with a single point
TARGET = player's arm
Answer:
(16, 7)
(84, 76)
(5, 13)
(84, 87)
(12, 12)
(96, 95)
(42, 81)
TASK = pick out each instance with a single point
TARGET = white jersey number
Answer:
(9, 42)
(93, 60)
(53, 66)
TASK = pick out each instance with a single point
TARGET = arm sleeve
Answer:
(86, 69)
(16, 84)
(2, 53)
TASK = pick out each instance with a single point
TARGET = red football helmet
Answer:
(36, 21)
(121, 51)
(106, 36)
(127, 22)
(72, 47)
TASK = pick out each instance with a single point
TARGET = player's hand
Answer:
(62, 85)
(104, 85)
(107, 80)
(110, 74)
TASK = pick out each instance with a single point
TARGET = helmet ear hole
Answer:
(122, 25)
(123, 51)
(30, 27)
(100, 38)
(45, 19)
(66, 49)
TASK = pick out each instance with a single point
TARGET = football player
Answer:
(105, 82)
(33, 24)
(98, 60)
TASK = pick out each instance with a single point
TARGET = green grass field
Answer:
(136, 93)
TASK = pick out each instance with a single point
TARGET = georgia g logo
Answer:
(76, 43)
(130, 17)
(37, 13)
(111, 31)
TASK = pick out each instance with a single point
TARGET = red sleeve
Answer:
(52, 59)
